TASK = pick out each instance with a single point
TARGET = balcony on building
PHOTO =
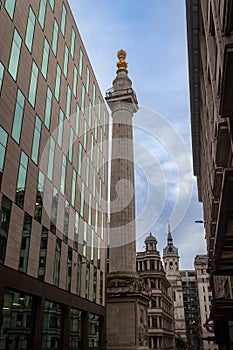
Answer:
(223, 245)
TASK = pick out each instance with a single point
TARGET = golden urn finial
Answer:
(121, 64)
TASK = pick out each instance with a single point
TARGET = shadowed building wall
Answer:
(210, 43)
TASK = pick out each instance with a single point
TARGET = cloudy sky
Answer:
(153, 33)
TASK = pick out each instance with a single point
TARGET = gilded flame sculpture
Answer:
(121, 64)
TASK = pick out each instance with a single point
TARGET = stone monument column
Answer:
(127, 298)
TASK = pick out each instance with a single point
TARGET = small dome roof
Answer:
(170, 250)
(150, 239)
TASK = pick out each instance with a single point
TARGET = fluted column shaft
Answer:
(122, 237)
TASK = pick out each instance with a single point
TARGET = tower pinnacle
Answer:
(170, 249)
(169, 236)
(121, 64)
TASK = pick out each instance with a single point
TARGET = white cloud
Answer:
(154, 37)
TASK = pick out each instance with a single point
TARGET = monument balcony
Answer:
(123, 95)
(122, 92)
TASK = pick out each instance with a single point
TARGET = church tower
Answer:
(160, 310)
(126, 300)
(170, 256)
(171, 265)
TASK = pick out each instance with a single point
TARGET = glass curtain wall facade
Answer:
(53, 182)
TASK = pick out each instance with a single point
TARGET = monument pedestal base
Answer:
(127, 302)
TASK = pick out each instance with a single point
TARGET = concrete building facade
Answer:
(204, 295)
(210, 41)
(53, 182)
(160, 311)
(171, 266)
(191, 310)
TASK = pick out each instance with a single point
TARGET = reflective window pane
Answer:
(54, 207)
(51, 159)
(48, 108)
(21, 183)
(18, 116)
(69, 269)
(66, 222)
(66, 61)
(57, 83)
(87, 80)
(72, 43)
(80, 68)
(33, 84)
(83, 99)
(75, 328)
(39, 197)
(43, 253)
(55, 37)
(75, 81)
(5, 214)
(17, 321)
(36, 140)
(15, 54)
(73, 189)
(42, 12)
(51, 3)
(30, 29)
(56, 276)
(68, 102)
(94, 330)
(93, 94)
(52, 326)
(10, 7)
(45, 59)
(1, 75)
(63, 20)
(3, 143)
(63, 175)
(60, 128)
(25, 242)
(70, 151)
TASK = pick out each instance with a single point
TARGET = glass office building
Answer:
(53, 182)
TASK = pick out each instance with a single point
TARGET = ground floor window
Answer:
(52, 326)
(75, 328)
(17, 321)
(29, 320)
(94, 330)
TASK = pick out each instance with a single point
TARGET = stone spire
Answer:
(170, 249)
(169, 236)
